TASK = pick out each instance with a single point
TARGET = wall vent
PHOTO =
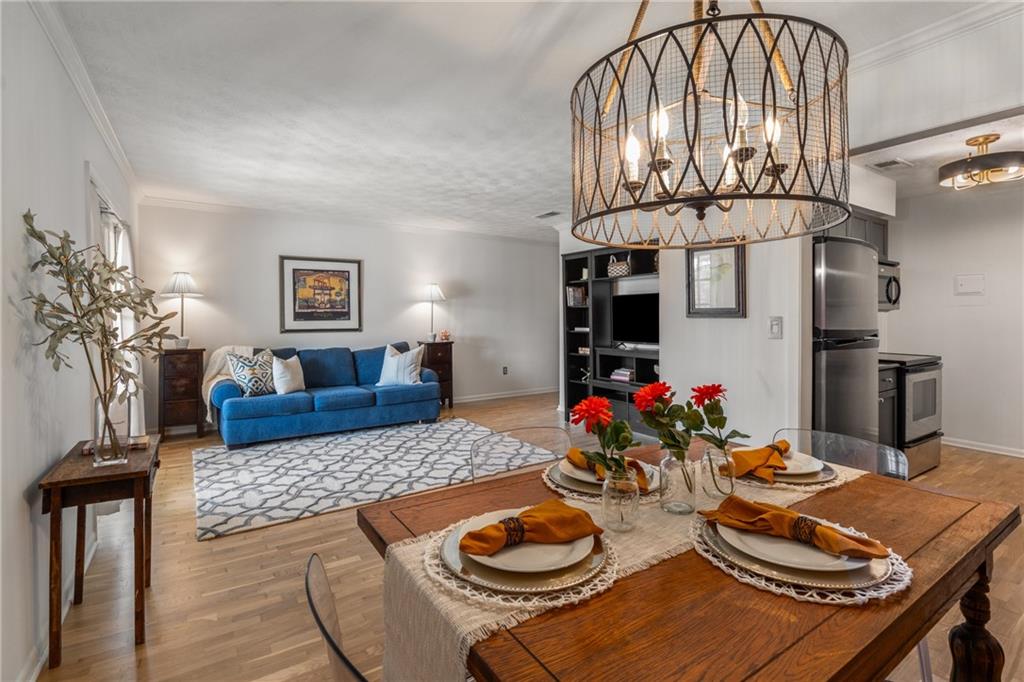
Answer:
(892, 163)
(549, 214)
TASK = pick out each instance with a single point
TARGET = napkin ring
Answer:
(515, 531)
(776, 448)
(803, 529)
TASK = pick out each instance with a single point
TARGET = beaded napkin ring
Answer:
(515, 531)
(803, 529)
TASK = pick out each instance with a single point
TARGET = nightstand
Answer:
(181, 385)
(438, 357)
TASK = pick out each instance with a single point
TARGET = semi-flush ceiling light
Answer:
(724, 129)
(982, 168)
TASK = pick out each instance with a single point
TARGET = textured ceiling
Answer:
(452, 116)
(928, 154)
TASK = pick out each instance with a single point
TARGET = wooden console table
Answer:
(75, 482)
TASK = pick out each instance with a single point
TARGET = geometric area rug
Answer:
(271, 483)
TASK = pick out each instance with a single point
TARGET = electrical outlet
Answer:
(504, 370)
(775, 327)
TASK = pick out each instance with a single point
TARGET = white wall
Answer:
(48, 136)
(499, 305)
(980, 338)
(975, 68)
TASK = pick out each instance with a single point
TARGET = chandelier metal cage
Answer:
(982, 167)
(720, 130)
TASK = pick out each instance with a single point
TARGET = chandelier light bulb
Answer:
(632, 157)
(659, 124)
(731, 174)
(739, 111)
(772, 131)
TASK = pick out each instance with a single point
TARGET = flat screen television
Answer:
(635, 318)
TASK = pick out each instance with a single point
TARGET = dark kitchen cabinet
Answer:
(887, 413)
(867, 228)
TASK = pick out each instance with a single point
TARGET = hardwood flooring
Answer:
(233, 608)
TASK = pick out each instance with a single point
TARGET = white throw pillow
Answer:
(288, 375)
(401, 368)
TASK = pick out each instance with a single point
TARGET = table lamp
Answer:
(181, 285)
(435, 295)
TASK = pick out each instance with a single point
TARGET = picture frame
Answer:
(320, 294)
(716, 281)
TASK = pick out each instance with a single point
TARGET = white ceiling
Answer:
(453, 116)
(928, 154)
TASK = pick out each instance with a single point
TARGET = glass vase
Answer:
(110, 439)
(620, 500)
(718, 477)
(677, 486)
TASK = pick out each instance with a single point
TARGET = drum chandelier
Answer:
(721, 130)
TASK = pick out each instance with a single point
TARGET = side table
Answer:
(75, 482)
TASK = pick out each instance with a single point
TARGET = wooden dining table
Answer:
(684, 618)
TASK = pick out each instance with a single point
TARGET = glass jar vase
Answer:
(718, 475)
(677, 486)
(620, 500)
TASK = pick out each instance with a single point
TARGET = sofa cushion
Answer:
(267, 406)
(222, 390)
(396, 395)
(369, 361)
(340, 398)
(401, 369)
(255, 375)
(327, 367)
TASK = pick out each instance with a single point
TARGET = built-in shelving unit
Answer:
(590, 355)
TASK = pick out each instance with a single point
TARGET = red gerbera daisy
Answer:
(592, 411)
(706, 393)
(646, 397)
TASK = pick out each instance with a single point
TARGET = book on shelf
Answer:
(623, 374)
(575, 296)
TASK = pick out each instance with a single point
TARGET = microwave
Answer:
(889, 289)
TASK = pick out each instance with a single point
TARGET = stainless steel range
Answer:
(919, 415)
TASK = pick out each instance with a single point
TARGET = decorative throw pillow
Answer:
(401, 368)
(288, 375)
(255, 375)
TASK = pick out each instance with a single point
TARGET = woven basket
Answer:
(618, 268)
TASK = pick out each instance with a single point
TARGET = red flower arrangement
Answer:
(649, 395)
(592, 412)
(706, 393)
(614, 436)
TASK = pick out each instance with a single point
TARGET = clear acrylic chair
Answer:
(863, 455)
(512, 449)
(325, 614)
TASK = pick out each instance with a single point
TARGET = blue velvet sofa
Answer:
(341, 394)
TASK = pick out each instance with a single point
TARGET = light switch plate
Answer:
(775, 327)
(968, 285)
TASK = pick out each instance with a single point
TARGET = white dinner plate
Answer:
(785, 552)
(588, 476)
(529, 557)
(799, 464)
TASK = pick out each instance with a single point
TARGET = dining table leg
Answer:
(140, 560)
(977, 655)
(56, 590)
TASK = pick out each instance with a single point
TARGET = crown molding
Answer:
(334, 219)
(961, 23)
(64, 45)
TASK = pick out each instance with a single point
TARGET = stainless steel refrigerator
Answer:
(846, 337)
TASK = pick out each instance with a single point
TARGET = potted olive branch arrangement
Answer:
(92, 293)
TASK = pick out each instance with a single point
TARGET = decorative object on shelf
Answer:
(678, 472)
(434, 294)
(439, 358)
(444, 335)
(93, 292)
(623, 375)
(982, 167)
(181, 395)
(575, 296)
(740, 120)
(321, 294)
(181, 285)
(583, 350)
(716, 282)
(585, 273)
(620, 491)
(618, 268)
(585, 375)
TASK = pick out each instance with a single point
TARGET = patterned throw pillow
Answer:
(255, 375)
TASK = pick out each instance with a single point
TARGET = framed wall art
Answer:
(321, 294)
(716, 282)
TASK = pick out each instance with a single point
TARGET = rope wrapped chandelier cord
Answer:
(721, 130)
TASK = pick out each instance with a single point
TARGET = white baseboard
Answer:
(41, 651)
(504, 394)
(983, 447)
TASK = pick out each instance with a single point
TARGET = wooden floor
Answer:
(233, 608)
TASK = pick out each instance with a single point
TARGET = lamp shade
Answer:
(181, 284)
(435, 292)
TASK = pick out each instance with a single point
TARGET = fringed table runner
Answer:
(429, 627)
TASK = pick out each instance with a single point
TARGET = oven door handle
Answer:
(895, 299)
